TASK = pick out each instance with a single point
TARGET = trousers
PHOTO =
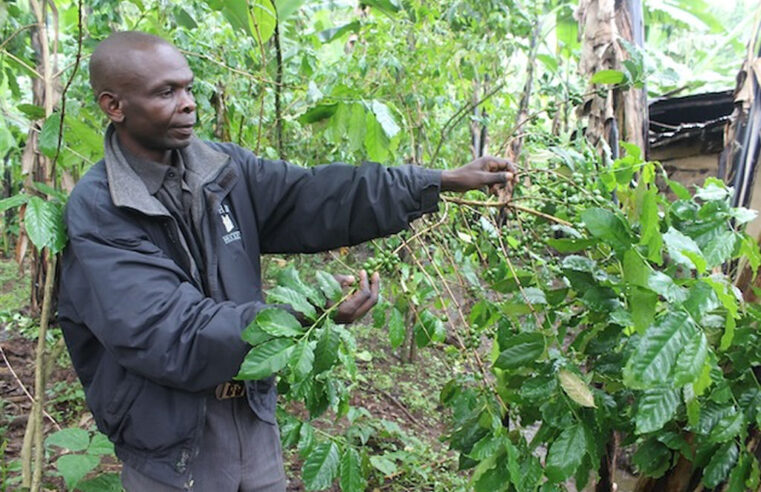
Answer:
(239, 453)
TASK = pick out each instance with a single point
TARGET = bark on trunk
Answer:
(741, 149)
(602, 24)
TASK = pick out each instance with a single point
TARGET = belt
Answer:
(230, 389)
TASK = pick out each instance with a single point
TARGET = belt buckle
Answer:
(230, 389)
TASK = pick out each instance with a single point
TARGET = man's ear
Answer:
(112, 105)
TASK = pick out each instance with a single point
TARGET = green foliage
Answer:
(645, 341)
(83, 452)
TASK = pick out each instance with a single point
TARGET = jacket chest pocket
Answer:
(237, 259)
(227, 225)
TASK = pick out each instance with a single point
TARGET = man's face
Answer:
(157, 106)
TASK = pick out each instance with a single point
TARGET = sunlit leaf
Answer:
(576, 389)
(302, 359)
(329, 285)
(74, 467)
(690, 362)
(607, 226)
(385, 118)
(608, 77)
(684, 250)
(329, 35)
(43, 221)
(71, 438)
(376, 141)
(33, 112)
(286, 8)
(387, 6)
(326, 351)
(396, 328)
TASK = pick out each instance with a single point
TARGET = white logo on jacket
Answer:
(227, 221)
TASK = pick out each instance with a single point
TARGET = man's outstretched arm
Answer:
(492, 172)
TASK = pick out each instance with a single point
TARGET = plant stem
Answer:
(39, 369)
(474, 203)
(278, 89)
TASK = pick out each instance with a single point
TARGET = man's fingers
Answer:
(361, 301)
(499, 178)
(496, 164)
(375, 284)
(363, 284)
(345, 280)
(372, 298)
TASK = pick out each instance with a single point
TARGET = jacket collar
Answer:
(203, 164)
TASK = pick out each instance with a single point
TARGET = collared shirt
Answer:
(167, 183)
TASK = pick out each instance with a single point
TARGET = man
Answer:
(161, 273)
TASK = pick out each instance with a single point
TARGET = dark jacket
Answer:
(149, 340)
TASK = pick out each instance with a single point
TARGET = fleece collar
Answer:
(202, 163)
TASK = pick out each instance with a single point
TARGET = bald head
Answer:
(116, 58)
(145, 87)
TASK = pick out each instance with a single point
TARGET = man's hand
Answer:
(494, 172)
(359, 303)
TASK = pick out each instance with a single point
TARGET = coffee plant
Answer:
(624, 323)
(617, 323)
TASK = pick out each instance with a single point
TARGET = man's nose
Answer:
(188, 102)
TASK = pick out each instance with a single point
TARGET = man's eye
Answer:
(166, 92)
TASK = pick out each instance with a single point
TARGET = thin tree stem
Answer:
(510, 204)
(39, 370)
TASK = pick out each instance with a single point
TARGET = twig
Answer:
(23, 388)
(249, 75)
(510, 204)
(278, 89)
(14, 34)
(264, 67)
(460, 342)
(66, 89)
(23, 63)
(517, 280)
(401, 407)
(419, 233)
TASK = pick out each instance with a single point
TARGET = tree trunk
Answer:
(611, 111)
